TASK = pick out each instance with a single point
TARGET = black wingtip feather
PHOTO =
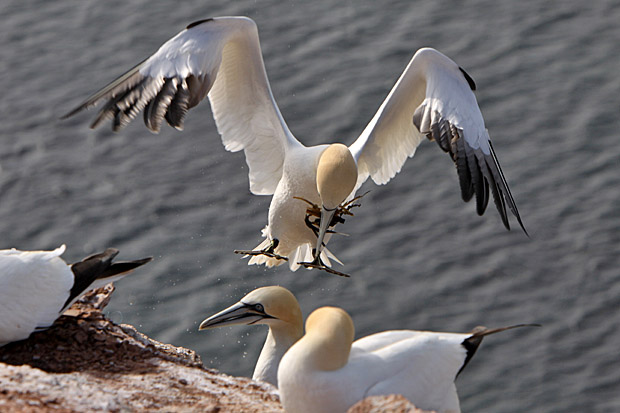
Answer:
(98, 266)
(124, 266)
(175, 116)
(462, 169)
(155, 110)
(196, 23)
(469, 79)
(477, 180)
(512, 205)
(73, 112)
(109, 90)
(482, 196)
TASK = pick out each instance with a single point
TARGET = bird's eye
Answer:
(259, 308)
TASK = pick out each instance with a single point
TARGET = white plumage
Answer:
(326, 372)
(428, 365)
(36, 287)
(221, 57)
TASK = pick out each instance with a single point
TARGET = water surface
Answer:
(548, 87)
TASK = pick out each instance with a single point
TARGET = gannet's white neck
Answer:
(280, 338)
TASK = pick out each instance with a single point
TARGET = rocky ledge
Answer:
(85, 362)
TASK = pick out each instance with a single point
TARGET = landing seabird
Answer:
(221, 58)
(36, 287)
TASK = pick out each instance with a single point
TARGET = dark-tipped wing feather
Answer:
(219, 58)
(160, 97)
(478, 172)
(98, 267)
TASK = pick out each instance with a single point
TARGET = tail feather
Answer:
(472, 342)
(304, 253)
(97, 270)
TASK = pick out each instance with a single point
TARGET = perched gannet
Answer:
(221, 58)
(323, 372)
(36, 287)
(274, 306)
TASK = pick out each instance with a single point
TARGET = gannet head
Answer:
(275, 306)
(329, 335)
(336, 176)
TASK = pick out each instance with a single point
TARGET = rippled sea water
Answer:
(548, 87)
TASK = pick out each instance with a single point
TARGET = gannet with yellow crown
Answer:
(36, 287)
(275, 307)
(221, 58)
(278, 308)
(325, 371)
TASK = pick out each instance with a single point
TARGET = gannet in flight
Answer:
(36, 287)
(324, 372)
(274, 306)
(221, 58)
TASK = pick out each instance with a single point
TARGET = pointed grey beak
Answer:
(326, 218)
(237, 314)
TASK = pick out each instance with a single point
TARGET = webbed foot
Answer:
(269, 251)
(318, 264)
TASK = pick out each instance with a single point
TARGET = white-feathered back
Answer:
(31, 283)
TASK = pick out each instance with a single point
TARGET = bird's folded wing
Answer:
(434, 98)
(422, 367)
(218, 57)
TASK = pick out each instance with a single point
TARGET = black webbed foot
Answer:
(317, 263)
(269, 251)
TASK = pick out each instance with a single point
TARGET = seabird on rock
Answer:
(221, 58)
(36, 287)
(324, 372)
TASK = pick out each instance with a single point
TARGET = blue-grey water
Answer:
(548, 75)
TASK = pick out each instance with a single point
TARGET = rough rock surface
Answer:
(84, 362)
(393, 403)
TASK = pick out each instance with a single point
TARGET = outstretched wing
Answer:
(220, 57)
(433, 98)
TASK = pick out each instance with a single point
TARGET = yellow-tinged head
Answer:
(277, 302)
(336, 175)
(275, 306)
(329, 333)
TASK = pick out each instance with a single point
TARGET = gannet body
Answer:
(287, 212)
(275, 307)
(324, 372)
(221, 58)
(36, 287)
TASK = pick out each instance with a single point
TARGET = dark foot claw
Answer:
(325, 268)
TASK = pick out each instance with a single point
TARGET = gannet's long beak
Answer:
(237, 314)
(326, 218)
